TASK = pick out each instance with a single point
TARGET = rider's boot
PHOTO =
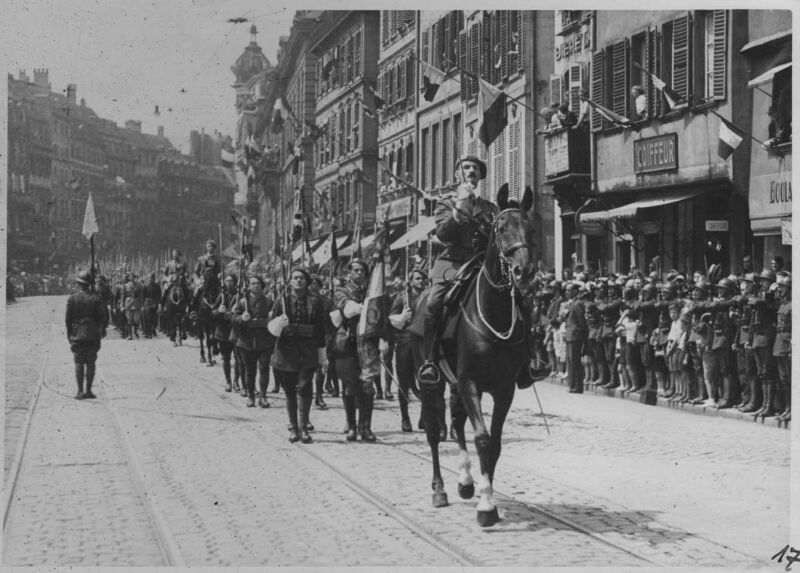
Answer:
(428, 373)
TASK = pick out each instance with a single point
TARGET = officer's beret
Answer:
(481, 165)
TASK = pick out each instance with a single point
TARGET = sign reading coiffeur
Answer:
(655, 153)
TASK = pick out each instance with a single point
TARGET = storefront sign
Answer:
(771, 195)
(655, 153)
(717, 226)
(394, 209)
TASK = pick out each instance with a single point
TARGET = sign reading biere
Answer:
(658, 153)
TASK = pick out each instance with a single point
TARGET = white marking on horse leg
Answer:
(464, 467)
(485, 493)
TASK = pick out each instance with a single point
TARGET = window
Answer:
(498, 164)
(399, 169)
(409, 161)
(710, 81)
(780, 110)
(356, 124)
(348, 128)
(456, 140)
(357, 54)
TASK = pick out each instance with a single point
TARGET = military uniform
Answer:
(404, 351)
(132, 306)
(782, 350)
(762, 340)
(256, 344)
(223, 312)
(151, 295)
(86, 321)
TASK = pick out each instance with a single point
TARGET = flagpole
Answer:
(91, 242)
(750, 135)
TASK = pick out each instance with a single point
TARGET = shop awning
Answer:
(629, 210)
(323, 254)
(767, 76)
(365, 242)
(418, 232)
(297, 253)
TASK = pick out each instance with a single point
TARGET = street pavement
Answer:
(166, 468)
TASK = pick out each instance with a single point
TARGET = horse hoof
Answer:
(466, 491)
(488, 518)
(440, 499)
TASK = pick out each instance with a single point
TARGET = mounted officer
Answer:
(458, 225)
(175, 272)
(209, 264)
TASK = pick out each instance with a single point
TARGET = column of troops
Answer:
(723, 342)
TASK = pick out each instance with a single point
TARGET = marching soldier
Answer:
(251, 314)
(402, 312)
(348, 302)
(300, 349)
(223, 309)
(86, 321)
(132, 305)
(151, 294)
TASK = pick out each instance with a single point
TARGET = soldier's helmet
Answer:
(84, 277)
(768, 274)
(726, 285)
(785, 280)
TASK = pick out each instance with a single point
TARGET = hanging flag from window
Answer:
(609, 115)
(431, 81)
(730, 137)
(227, 158)
(378, 102)
(89, 219)
(674, 99)
(493, 112)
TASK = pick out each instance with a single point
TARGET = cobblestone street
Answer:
(165, 468)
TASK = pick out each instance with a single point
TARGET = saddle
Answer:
(458, 288)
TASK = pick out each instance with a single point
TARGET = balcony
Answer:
(566, 154)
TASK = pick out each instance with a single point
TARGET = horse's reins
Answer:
(508, 280)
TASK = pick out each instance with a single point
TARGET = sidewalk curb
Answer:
(649, 397)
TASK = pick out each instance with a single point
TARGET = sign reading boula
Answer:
(771, 195)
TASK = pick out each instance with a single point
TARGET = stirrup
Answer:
(428, 373)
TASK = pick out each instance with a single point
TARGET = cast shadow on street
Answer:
(641, 525)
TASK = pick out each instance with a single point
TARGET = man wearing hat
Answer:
(741, 314)
(762, 338)
(209, 262)
(458, 228)
(782, 349)
(86, 321)
(576, 334)
(348, 303)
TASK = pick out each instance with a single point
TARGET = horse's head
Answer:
(512, 231)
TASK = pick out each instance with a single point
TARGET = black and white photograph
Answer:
(398, 289)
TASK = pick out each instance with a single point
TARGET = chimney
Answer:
(195, 145)
(161, 131)
(40, 78)
(72, 93)
(83, 102)
(134, 125)
(23, 76)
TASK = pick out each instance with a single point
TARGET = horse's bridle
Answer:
(505, 253)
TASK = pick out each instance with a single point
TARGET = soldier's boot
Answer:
(367, 404)
(90, 370)
(763, 385)
(727, 392)
(79, 375)
(428, 373)
(304, 403)
(754, 402)
(226, 370)
(350, 413)
(787, 396)
(769, 396)
(405, 421)
(291, 409)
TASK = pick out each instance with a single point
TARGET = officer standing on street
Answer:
(86, 322)
(782, 349)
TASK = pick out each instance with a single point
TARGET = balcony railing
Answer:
(566, 152)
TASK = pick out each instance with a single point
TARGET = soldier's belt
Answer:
(302, 330)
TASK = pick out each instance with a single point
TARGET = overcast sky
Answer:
(127, 56)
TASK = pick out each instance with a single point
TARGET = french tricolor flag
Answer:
(730, 137)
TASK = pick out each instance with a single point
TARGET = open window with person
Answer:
(780, 110)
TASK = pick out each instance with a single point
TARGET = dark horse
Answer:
(485, 353)
(206, 291)
(177, 298)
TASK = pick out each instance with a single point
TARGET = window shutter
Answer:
(476, 39)
(400, 78)
(514, 175)
(680, 56)
(357, 55)
(504, 41)
(435, 54)
(596, 89)
(410, 83)
(384, 26)
(494, 49)
(456, 25)
(575, 86)
(521, 31)
(441, 48)
(555, 89)
(485, 54)
(425, 45)
(649, 62)
(498, 163)
(720, 52)
(392, 22)
(447, 40)
(619, 78)
(462, 63)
